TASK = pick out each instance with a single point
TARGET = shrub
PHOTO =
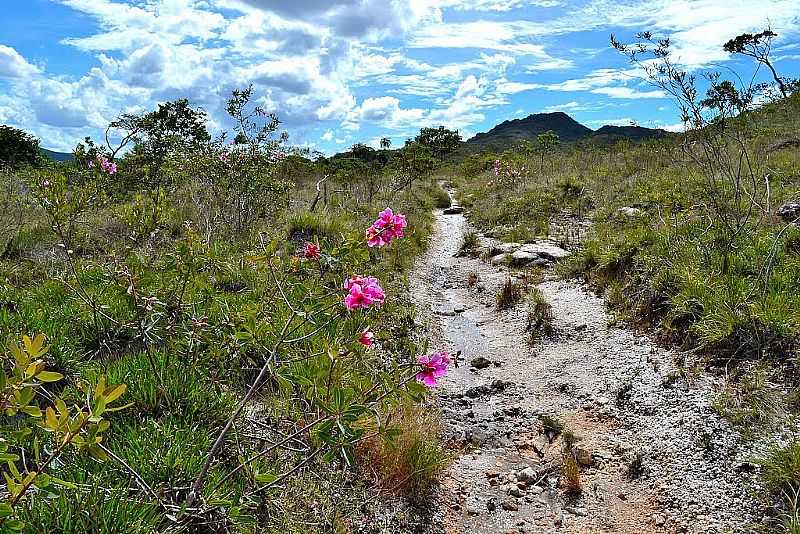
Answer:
(540, 315)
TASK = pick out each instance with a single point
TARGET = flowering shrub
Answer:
(363, 292)
(509, 170)
(386, 228)
(105, 165)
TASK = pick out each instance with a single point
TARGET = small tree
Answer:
(440, 141)
(758, 47)
(17, 148)
(547, 142)
(385, 143)
(413, 162)
(174, 128)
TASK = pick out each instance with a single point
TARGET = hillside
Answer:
(57, 156)
(511, 132)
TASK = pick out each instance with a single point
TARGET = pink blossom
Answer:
(311, 251)
(363, 292)
(224, 157)
(106, 166)
(433, 367)
(366, 338)
(387, 227)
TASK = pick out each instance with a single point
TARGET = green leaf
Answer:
(97, 453)
(6, 510)
(49, 376)
(34, 411)
(266, 478)
(8, 457)
(15, 525)
(114, 392)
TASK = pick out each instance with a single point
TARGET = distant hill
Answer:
(513, 131)
(57, 156)
(634, 133)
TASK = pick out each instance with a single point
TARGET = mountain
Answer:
(634, 133)
(511, 132)
(57, 156)
(516, 130)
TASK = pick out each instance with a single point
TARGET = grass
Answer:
(540, 315)
(470, 244)
(409, 459)
(510, 294)
(550, 427)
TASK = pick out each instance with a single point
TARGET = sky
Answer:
(338, 72)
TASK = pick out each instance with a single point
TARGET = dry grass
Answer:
(408, 458)
(572, 474)
(509, 295)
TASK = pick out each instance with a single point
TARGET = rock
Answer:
(500, 385)
(480, 362)
(629, 212)
(500, 259)
(780, 145)
(453, 210)
(790, 212)
(476, 391)
(521, 257)
(491, 504)
(472, 509)
(528, 476)
(509, 506)
(583, 456)
(459, 308)
(506, 248)
(576, 511)
(545, 250)
(514, 491)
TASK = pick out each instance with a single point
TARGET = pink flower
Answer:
(363, 292)
(387, 227)
(366, 338)
(224, 157)
(106, 166)
(433, 367)
(311, 251)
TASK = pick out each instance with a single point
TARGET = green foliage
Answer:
(440, 141)
(540, 315)
(18, 148)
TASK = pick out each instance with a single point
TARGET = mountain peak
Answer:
(568, 130)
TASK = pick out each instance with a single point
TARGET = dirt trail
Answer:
(619, 392)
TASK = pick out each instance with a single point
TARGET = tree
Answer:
(413, 162)
(440, 141)
(173, 128)
(757, 46)
(547, 142)
(385, 143)
(17, 147)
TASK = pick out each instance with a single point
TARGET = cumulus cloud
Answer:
(13, 65)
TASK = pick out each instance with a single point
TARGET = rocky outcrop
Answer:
(790, 212)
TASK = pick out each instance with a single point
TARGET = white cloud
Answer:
(13, 65)
(327, 136)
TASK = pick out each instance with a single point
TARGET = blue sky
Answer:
(339, 72)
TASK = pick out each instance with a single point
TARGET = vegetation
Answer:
(197, 283)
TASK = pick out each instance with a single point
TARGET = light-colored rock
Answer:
(506, 248)
(545, 250)
(521, 257)
(629, 212)
(790, 212)
(500, 259)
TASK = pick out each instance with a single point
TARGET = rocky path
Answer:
(652, 455)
